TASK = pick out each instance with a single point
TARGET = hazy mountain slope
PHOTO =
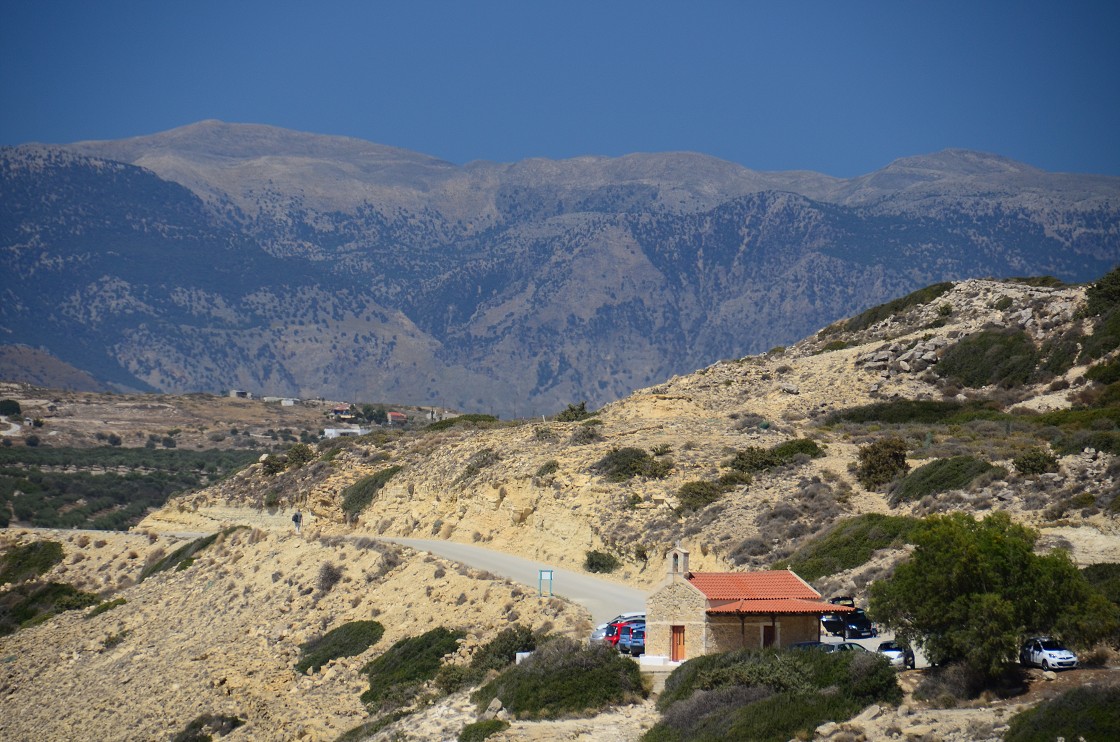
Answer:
(246, 256)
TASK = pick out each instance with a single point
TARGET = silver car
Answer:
(1047, 653)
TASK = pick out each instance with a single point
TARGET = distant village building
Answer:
(342, 412)
(240, 394)
(397, 418)
(696, 613)
(344, 432)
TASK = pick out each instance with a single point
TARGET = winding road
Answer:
(603, 598)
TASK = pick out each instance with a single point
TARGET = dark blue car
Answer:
(626, 637)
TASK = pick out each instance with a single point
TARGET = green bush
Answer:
(480, 730)
(564, 677)
(1105, 577)
(183, 557)
(30, 603)
(1104, 373)
(1105, 337)
(755, 459)
(600, 561)
(574, 413)
(942, 475)
(881, 461)
(1035, 461)
(10, 408)
(28, 561)
(899, 412)
(359, 495)
(1104, 295)
(1006, 358)
(549, 467)
(107, 605)
(769, 694)
(346, 640)
(470, 420)
(478, 461)
(502, 650)
(698, 494)
(1088, 712)
(396, 676)
(621, 464)
(848, 544)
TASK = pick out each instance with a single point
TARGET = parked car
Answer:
(900, 655)
(626, 635)
(1047, 653)
(849, 647)
(614, 631)
(857, 625)
(847, 600)
(600, 631)
(813, 646)
(638, 641)
(833, 623)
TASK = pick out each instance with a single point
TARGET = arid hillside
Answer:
(746, 463)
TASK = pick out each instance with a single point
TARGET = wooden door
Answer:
(677, 652)
(767, 636)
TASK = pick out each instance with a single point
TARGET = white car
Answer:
(1047, 653)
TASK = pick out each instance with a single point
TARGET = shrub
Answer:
(480, 730)
(10, 408)
(573, 413)
(202, 727)
(299, 454)
(1088, 712)
(548, 467)
(769, 694)
(329, 575)
(32, 602)
(1006, 358)
(848, 544)
(897, 412)
(183, 557)
(564, 677)
(755, 459)
(359, 495)
(585, 434)
(941, 476)
(621, 464)
(347, 640)
(502, 650)
(478, 461)
(881, 461)
(1035, 461)
(600, 561)
(469, 420)
(1104, 295)
(396, 676)
(699, 494)
(28, 561)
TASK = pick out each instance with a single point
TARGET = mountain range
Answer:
(218, 256)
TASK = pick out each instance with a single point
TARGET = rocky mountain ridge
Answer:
(221, 256)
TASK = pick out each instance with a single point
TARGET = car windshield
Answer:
(1051, 644)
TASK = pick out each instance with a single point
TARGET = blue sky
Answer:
(838, 87)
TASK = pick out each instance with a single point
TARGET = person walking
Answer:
(298, 520)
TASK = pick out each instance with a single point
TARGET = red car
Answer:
(611, 637)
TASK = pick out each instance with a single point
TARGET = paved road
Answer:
(603, 598)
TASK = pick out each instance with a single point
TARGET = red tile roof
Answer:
(779, 605)
(773, 584)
